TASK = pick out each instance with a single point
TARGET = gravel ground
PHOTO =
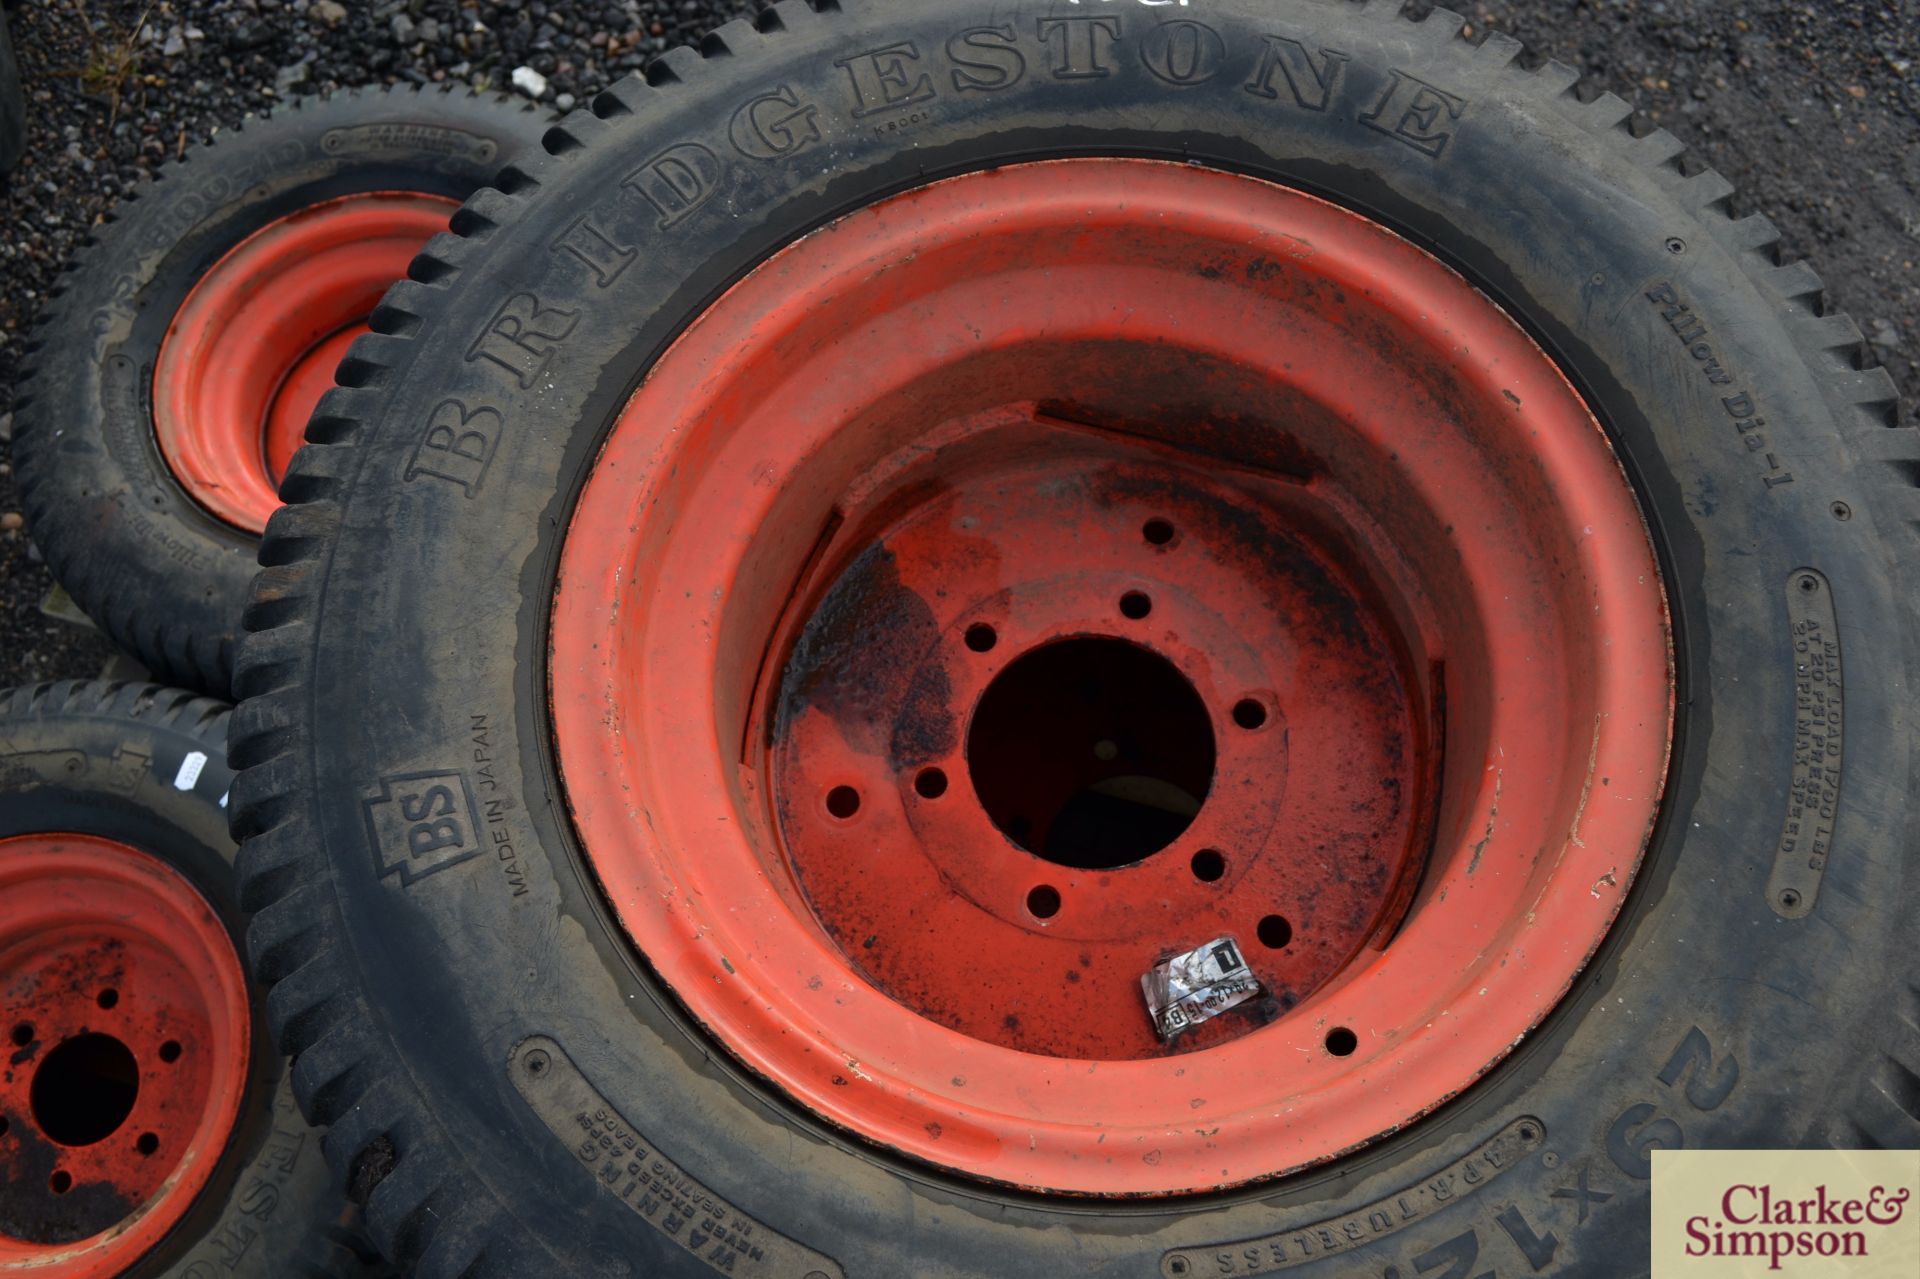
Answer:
(1811, 109)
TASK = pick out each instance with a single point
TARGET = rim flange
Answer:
(1543, 382)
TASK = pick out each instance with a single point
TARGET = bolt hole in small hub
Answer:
(84, 1089)
(930, 783)
(1091, 753)
(1341, 1042)
(1135, 605)
(1157, 532)
(1044, 902)
(843, 802)
(1208, 865)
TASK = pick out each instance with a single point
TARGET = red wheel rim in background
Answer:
(127, 1041)
(1152, 418)
(255, 344)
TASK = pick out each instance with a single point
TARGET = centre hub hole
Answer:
(84, 1089)
(1091, 753)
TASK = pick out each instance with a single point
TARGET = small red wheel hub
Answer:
(126, 1040)
(1047, 572)
(254, 346)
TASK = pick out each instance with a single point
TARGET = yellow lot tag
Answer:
(1786, 1214)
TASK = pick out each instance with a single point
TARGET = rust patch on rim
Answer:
(1052, 569)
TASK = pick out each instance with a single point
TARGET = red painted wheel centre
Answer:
(126, 1031)
(1048, 571)
(254, 346)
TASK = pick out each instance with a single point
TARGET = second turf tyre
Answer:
(1477, 514)
(147, 1127)
(171, 378)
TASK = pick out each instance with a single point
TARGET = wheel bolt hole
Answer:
(1249, 714)
(147, 1143)
(108, 998)
(170, 1051)
(22, 1034)
(1135, 605)
(930, 783)
(1208, 865)
(61, 1182)
(981, 638)
(843, 802)
(1044, 902)
(1341, 1042)
(1274, 932)
(1158, 532)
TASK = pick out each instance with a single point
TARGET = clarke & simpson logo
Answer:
(1752, 1223)
(1793, 1214)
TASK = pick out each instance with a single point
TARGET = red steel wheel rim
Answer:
(1335, 569)
(127, 1025)
(255, 344)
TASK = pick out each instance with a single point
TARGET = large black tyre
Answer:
(164, 577)
(398, 612)
(103, 760)
(13, 104)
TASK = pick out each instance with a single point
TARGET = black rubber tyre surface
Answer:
(401, 629)
(13, 104)
(164, 578)
(102, 759)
